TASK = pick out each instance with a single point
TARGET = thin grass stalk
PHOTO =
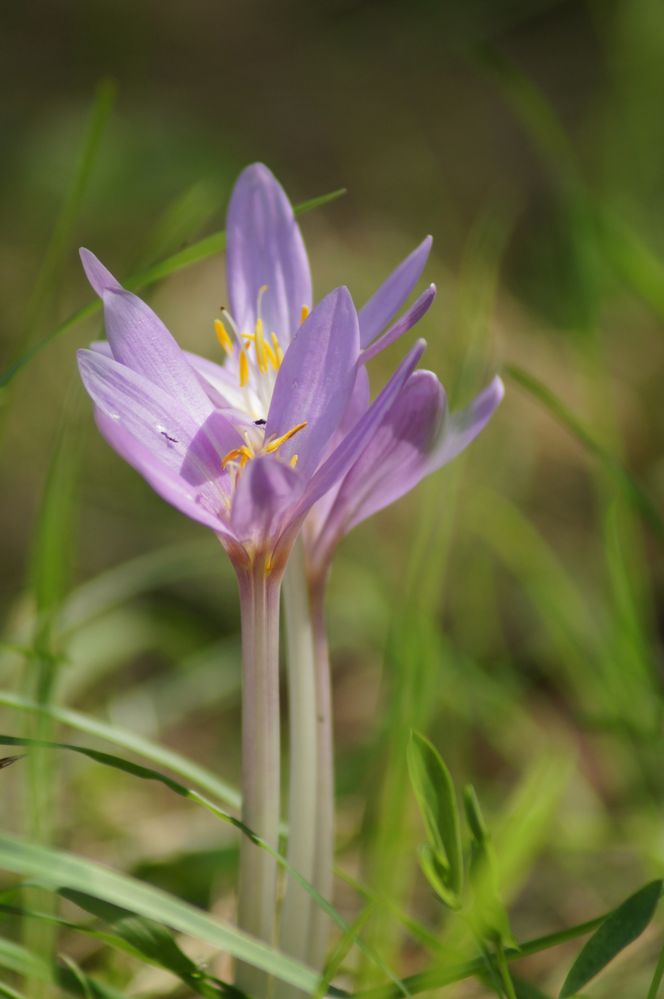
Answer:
(259, 609)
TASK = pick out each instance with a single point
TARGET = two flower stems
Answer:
(304, 926)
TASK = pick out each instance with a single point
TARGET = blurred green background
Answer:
(513, 606)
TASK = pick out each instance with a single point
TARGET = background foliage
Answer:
(511, 609)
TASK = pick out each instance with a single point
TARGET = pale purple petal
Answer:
(265, 247)
(99, 276)
(402, 325)
(315, 380)
(357, 406)
(198, 504)
(352, 446)
(386, 302)
(461, 428)
(396, 458)
(158, 422)
(267, 490)
(139, 339)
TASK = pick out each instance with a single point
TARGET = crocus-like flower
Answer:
(249, 447)
(240, 448)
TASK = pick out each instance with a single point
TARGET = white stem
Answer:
(259, 606)
(298, 906)
(323, 878)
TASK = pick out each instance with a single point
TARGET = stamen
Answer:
(294, 460)
(275, 444)
(242, 454)
(222, 336)
(259, 343)
(230, 325)
(244, 368)
(277, 349)
(304, 312)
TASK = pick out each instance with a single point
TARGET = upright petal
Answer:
(316, 379)
(266, 492)
(393, 292)
(402, 325)
(139, 339)
(99, 276)
(460, 428)
(193, 502)
(265, 247)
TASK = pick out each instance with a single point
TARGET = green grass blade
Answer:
(198, 251)
(57, 869)
(146, 773)
(22, 961)
(141, 938)
(657, 977)
(571, 422)
(620, 928)
(152, 751)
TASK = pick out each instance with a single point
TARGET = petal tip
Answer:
(100, 277)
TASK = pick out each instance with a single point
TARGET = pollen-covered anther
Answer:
(241, 455)
(275, 444)
(304, 312)
(222, 336)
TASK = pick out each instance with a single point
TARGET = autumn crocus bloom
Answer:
(248, 448)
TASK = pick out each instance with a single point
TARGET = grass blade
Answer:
(620, 928)
(566, 418)
(57, 869)
(198, 251)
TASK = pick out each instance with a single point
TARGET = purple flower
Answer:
(416, 436)
(246, 448)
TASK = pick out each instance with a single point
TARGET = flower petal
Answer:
(139, 339)
(349, 450)
(393, 292)
(402, 325)
(357, 406)
(396, 458)
(315, 380)
(164, 480)
(99, 276)
(267, 490)
(460, 428)
(265, 247)
(157, 421)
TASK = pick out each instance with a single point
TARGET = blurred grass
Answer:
(512, 608)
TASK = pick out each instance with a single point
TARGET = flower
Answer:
(417, 435)
(245, 448)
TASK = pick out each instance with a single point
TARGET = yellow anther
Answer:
(244, 368)
(260, 347)
(278, 352)
(293, 461)
(304, 312)
(242, 454)
(223, 337)
(270, 354)
(275, 444)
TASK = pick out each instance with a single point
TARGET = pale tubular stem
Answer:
(257, 892)
(297, 910)
(323, 877)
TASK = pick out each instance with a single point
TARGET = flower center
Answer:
(256, 357)
(239, 456)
